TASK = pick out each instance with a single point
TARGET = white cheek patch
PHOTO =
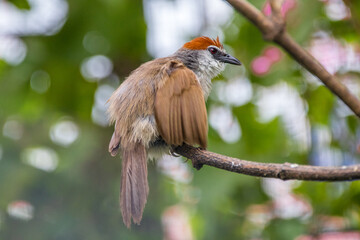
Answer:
(210, 66)
(208, 69)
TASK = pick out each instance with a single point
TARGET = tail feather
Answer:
(134, 184)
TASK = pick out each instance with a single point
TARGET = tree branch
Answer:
(285, 171)
(273, 29)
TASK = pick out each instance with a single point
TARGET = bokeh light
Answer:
(42, 158)
(45, 17)
(170, 23)
(98, 112)
(13, 129)
(261, 65)
(283, 100)
(175, 168)
(96, 67)
(323, 153)
(223, 121)
(335, 55)
(12, 50)
(236, 92)
(336, 10)
(21, 210)
(95, 43)
(40, 81)
(273, 53)
(175, 221)
(286, 204)
(64, 132)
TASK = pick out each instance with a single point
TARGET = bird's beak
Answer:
(227, 58)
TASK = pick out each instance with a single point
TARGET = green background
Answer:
(79, 200)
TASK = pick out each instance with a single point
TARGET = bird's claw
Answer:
(172, 152)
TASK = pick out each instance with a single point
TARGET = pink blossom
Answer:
(261, 65)
(273, 53)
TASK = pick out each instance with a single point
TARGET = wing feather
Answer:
(180, 110)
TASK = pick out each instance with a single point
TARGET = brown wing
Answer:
(180, 110)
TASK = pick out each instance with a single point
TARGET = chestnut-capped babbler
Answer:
(159, 106)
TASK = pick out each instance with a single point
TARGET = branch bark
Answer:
(273, 29)
(285, 171)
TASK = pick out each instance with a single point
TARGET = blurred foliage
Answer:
(79, 200)
(21, 4)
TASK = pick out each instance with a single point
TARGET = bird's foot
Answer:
(172, 152)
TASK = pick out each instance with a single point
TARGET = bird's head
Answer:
(213, 49)
(205, 56)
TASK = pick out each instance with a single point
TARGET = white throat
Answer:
(208, 69)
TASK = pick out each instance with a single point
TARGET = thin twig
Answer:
(285, 171)
(273, 30)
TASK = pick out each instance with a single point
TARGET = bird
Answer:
(159, 106)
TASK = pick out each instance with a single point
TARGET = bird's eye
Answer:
(213, 50)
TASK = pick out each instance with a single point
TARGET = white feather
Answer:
(208, 69)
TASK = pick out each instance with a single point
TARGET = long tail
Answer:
(134, 184)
